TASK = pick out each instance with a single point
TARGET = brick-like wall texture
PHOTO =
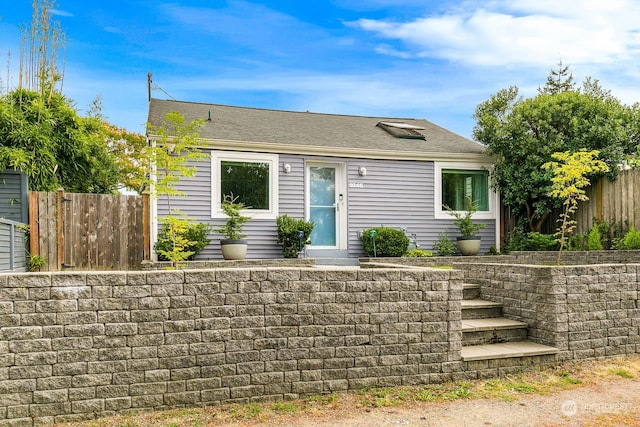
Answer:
(76, 346)
(588, 311)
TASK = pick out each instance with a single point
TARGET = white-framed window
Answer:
(251, 177)
(455, 182)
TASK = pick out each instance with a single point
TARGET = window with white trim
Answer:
(252, 178)
(456, 183)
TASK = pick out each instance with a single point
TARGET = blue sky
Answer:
(402, 58)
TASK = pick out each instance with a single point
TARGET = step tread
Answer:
(479, 303)
(506, 350)
(470, 286)
(490, 324)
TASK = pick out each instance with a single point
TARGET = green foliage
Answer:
(390, 242)
(288, 228)
(594, 239)
(493, 250)
(444, 246)
(47, 140)
(35, 262)
(174, 243)
(568, 182)
(541, 242)
(191, 238)
(576, 242)
(522, 134)
(418, 253)
(463, 221)
(232, 228)
(615, 233)
(173, 148)
(516, 240)
(631, 240)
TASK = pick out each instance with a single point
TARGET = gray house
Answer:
(347, 173)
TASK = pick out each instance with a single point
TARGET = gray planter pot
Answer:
(469, 245)
(233, 249)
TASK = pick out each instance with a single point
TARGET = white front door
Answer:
(327, 205)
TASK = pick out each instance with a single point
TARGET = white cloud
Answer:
(521, 32)
(59, 12)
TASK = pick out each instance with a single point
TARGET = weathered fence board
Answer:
(611, 201)
(89, 231)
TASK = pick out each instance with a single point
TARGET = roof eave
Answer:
(300, 149)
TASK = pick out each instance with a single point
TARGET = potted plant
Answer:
(234, 244)
(468, 241)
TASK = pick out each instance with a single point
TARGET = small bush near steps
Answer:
(389, 242)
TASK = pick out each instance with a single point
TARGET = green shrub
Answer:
(631, 240)
(389, 242)
(594, 239)
(189, 239)
(541, 242)
(418, 253)
(288, 234)
(444, 246)
(516, 240)
(577, 242)
(493, 250)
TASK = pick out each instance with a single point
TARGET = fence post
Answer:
(146, 229)
(34, 227)
(60, 233)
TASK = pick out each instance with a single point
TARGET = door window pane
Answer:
(322, 207)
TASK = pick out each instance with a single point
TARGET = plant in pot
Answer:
(234, 244)
(468, 241)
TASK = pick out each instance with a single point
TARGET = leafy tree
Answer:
(42, 134)
(570, 178)
(560, 80)
(522, 134)
(45, 138)
(173, 147)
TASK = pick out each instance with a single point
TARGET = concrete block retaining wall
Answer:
(588, 311)
(76, 346)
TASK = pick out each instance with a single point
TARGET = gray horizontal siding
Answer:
(399, 194)
(394, 194)
(12, 257)
(13, 196)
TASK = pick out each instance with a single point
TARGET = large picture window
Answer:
(459, 185)
(455, 182)
(249, 177)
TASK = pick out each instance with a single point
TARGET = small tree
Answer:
(172, 147)
(570, 177)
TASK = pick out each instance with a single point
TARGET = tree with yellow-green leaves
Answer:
(571, 172)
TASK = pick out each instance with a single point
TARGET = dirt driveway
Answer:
(606, 403)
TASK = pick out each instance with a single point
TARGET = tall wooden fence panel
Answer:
(611, 201)
(89, 231)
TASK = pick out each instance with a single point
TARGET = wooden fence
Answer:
(610, 201)
(89, 231)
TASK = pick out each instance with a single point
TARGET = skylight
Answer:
(402, 130)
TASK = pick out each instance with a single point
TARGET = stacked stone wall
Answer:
(588, 311)
(76, 346)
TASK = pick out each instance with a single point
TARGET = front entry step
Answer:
(492, 330)
(506, 350)
(479, 309)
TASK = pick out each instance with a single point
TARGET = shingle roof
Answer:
(303, 130)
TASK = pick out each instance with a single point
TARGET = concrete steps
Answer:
(487, 335)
